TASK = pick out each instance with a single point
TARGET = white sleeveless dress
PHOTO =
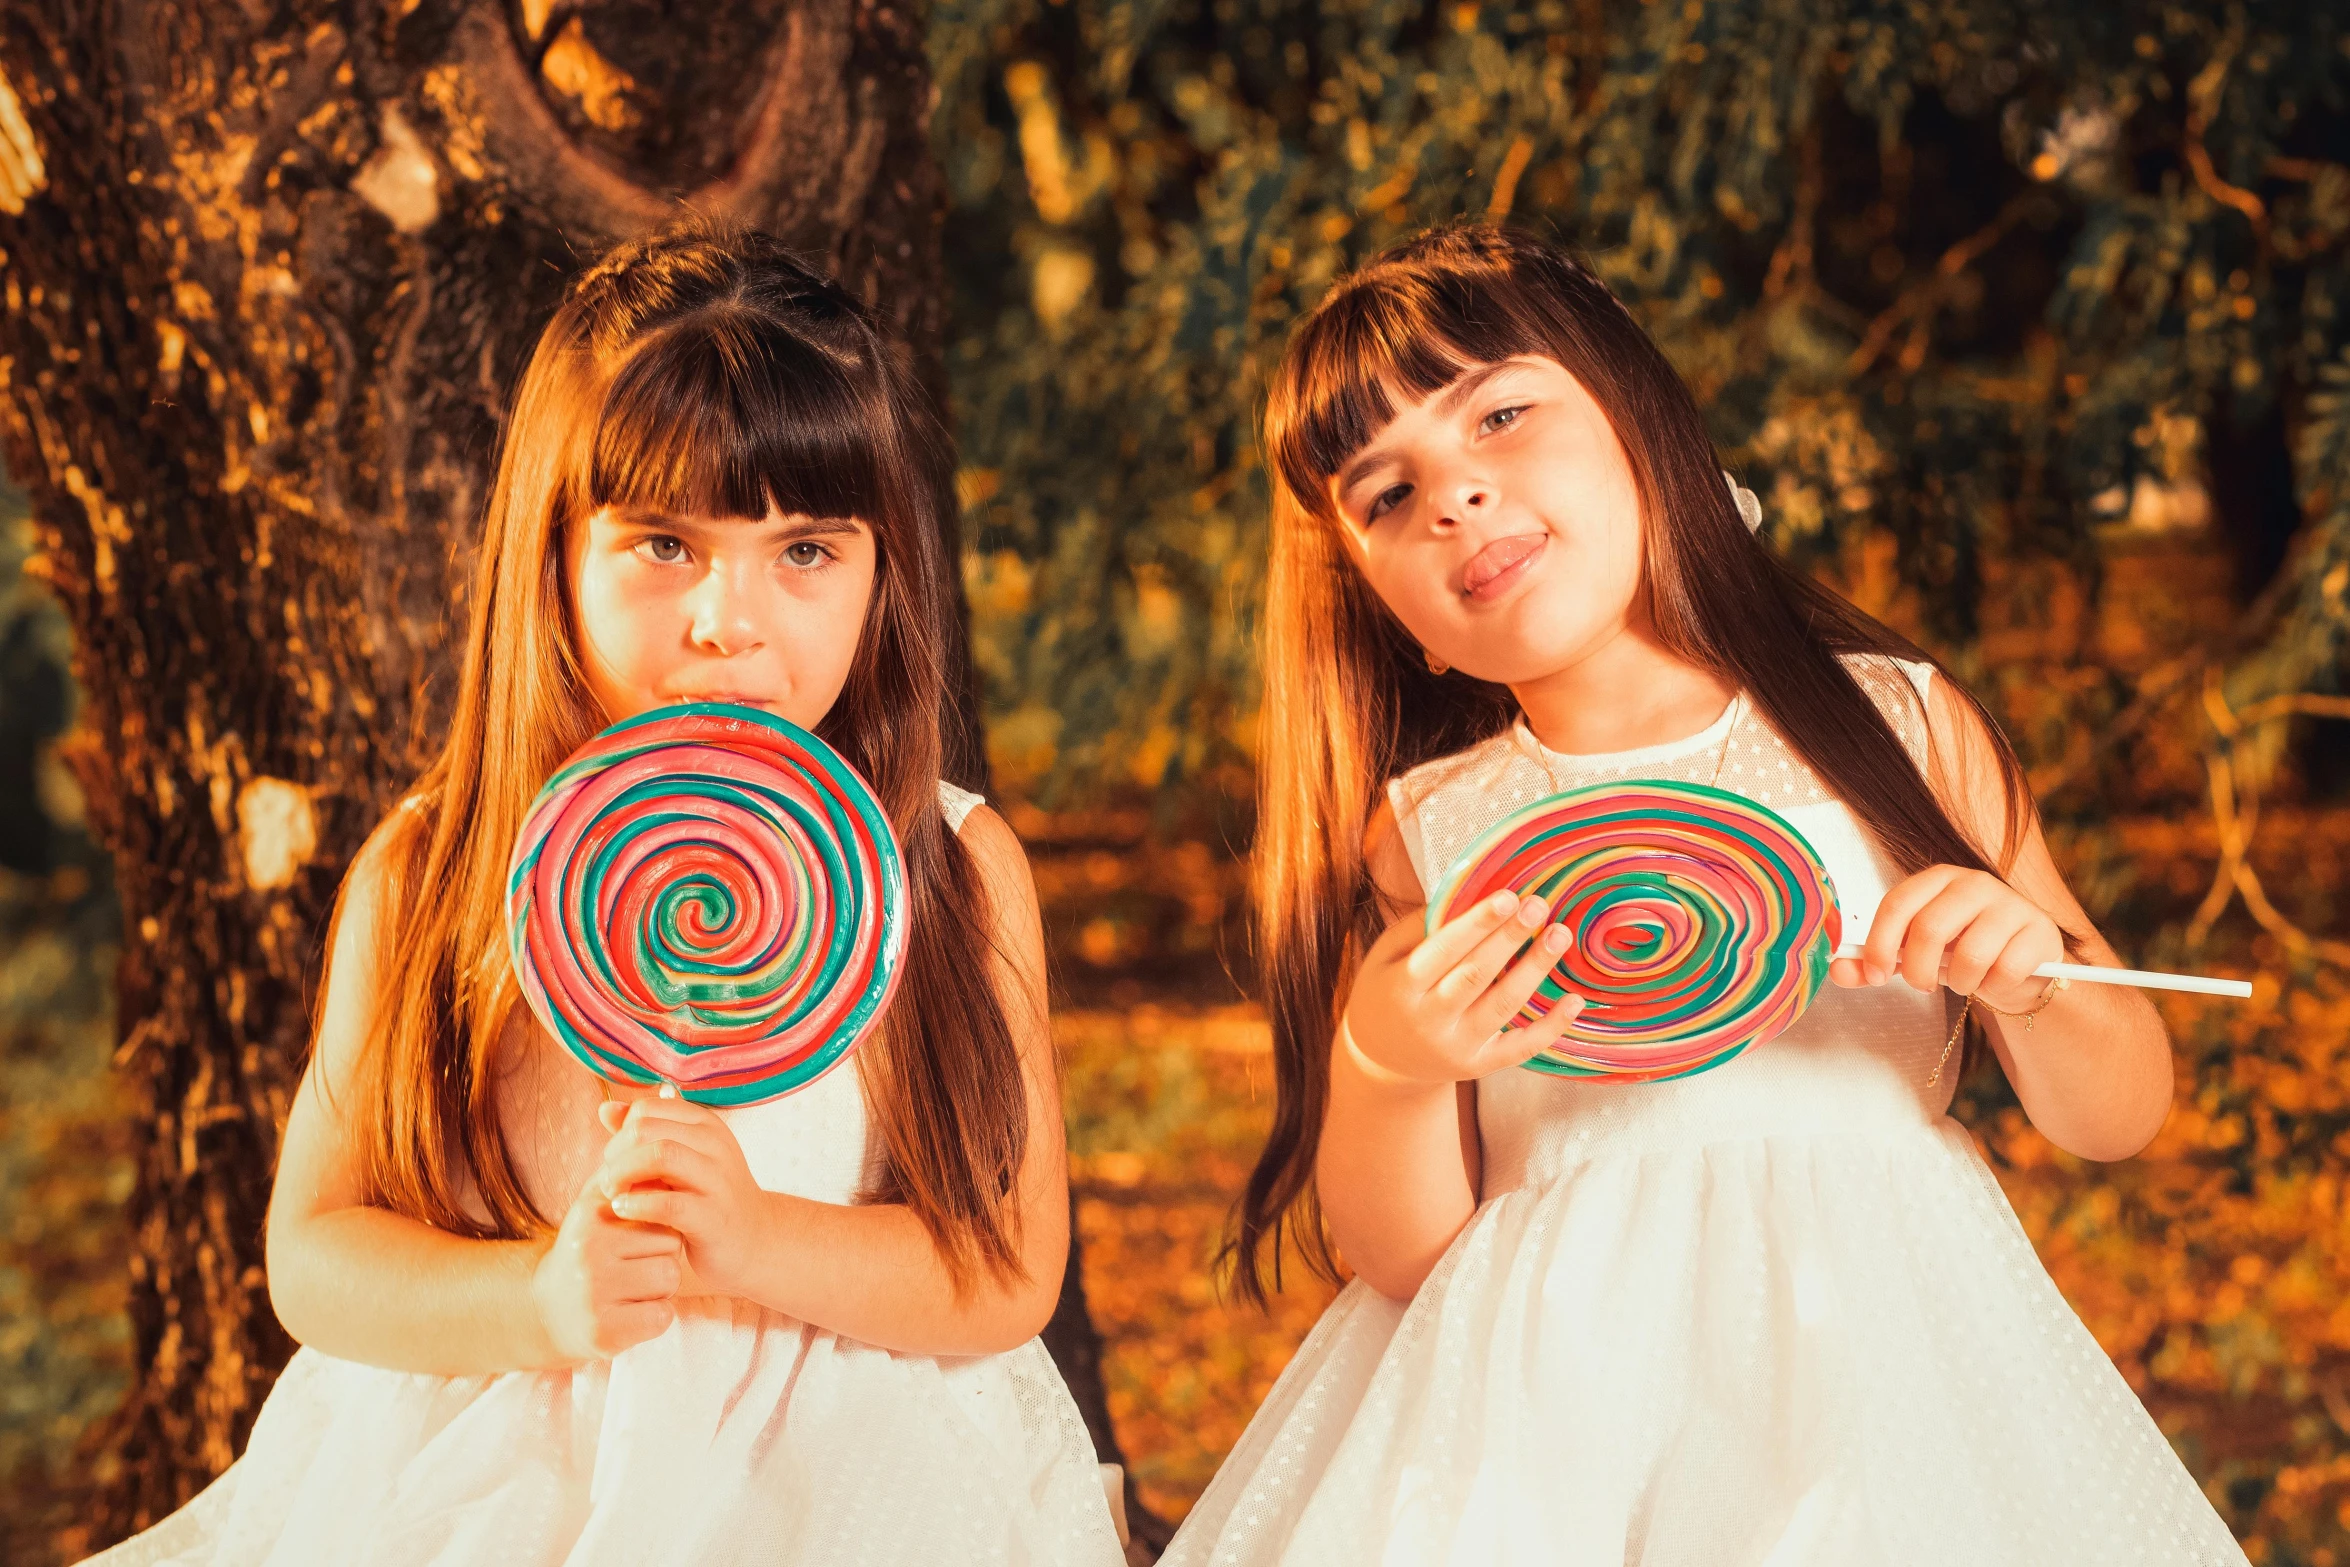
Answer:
(738, 1436)
(1775, 1315)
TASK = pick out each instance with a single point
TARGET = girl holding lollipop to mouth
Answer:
(546, 1320)
(1774, 1313)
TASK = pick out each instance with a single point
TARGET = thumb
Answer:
(612, 1112)
(1396, 942)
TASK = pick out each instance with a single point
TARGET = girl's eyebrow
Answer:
(643, 517)
(654, 517)
(1454, 395)
(1466, 387)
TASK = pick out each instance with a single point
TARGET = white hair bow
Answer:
(1748, 503)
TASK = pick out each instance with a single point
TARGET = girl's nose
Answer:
(1470, 500)
(721, 617)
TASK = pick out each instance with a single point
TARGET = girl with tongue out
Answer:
(1775, 1313)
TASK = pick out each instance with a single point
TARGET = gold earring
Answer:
(1436, 666)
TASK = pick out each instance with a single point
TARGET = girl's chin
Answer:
(1503, 659)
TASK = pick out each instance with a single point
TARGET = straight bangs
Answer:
(1394, 332)
(723, 414)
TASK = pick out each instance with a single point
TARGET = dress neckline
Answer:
(1523, 735)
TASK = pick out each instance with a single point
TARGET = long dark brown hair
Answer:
(1350, 702)
(699, 372)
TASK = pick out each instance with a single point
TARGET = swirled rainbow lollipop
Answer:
(709, 897)
(1703, 922)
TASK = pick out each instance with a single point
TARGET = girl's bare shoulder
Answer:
(1002, 863)
(375, 872)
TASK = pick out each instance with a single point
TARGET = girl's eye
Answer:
(1386, 501)
(1501, 418)
(665, 550)
(806, 554)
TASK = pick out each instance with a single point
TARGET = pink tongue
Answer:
(1497, 558)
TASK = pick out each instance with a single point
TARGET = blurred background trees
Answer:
(1959, 281)
(2028, 322)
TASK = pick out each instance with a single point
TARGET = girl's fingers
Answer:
(671, 1112)
(1469, 979)
(662, 1160)
(1848, 972)
(652, 1205)
(633, 1239)
(2012, 972)
(1978, 947)
(1491, 1012)
(648, 1278)
(626, 1325)
(710, 1136)
(1519, 1045)
(1880, 957)
(619, 1116)
(1932, 930)
(1457, 937)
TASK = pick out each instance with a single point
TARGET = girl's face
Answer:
(1498, 519)
(766, 613)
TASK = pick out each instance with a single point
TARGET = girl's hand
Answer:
(606, 1283)
(1432, 1010)
(1965, 929)
(675, 1164)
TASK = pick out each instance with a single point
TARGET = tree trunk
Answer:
(269, 271)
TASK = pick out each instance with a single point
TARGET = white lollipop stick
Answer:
(2143, 979)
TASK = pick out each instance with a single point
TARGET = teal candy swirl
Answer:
(1702, 922)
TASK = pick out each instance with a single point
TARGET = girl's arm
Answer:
(870, 1272)
(365, 1284)
(2094, 1069)
(1399, 1166)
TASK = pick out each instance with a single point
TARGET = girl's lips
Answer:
(1496, 568)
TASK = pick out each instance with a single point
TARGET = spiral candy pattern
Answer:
(1703, 922)
(710, 897)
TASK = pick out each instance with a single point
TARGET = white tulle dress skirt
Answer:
(1804, 1351)
(738, 1436)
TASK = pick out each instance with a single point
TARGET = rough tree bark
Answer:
(269, 269)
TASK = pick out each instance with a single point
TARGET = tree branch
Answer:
(780, 173)
(2202, 101)
(2234, 874)
(1923, 298)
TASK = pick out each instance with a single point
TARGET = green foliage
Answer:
(1942, 272)
(64, 1167)
(2306, 645)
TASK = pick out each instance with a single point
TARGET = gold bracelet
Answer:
(2039, 1006)
(1956, 1029)
(1959, 1027)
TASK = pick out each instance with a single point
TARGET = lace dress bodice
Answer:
(1857, 1060)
